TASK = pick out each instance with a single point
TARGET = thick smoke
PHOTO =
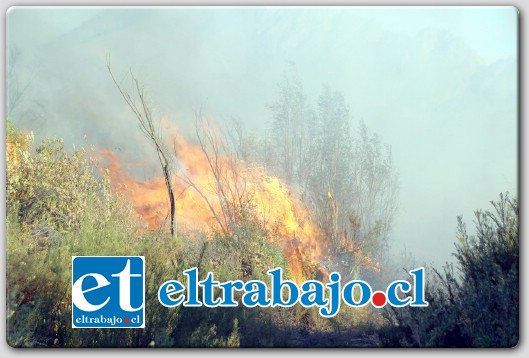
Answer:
(443, 98)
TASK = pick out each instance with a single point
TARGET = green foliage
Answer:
(433, 326)
(481, 308)
(346, 179)
(39, 279)
(59, 207)
(489, 266)
(50, 189)
(245, 255)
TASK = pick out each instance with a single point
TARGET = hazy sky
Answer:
(438, 84)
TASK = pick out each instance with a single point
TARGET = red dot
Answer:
(127, 320)
(378, 299)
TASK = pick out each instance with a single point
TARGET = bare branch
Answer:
(143, 114)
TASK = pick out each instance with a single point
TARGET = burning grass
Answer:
(276, 231)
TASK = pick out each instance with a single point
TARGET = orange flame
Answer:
(277, 210)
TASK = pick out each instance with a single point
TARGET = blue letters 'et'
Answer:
(108, 292)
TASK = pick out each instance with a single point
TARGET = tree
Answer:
(139, 105)
(373, 189)
(21, 106)
(328, 161)
(17, 85)
(288, 128)
(345, 178)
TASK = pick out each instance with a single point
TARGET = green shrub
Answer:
(246, 255)
(58, 206)
(51, 190)
(489, 265)
(480, 308)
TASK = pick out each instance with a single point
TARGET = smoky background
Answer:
(437, 85)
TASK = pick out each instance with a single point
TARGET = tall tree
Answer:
(345, 177)
(288, 127)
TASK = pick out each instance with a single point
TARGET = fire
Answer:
(201, 196)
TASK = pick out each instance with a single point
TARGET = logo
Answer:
(286, 293)
(108, 292)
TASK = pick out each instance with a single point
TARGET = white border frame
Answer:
(520, 350)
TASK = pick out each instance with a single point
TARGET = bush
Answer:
(58, 206)
(243, 256)
(52, 191)
(489, 267)
(480, 308)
